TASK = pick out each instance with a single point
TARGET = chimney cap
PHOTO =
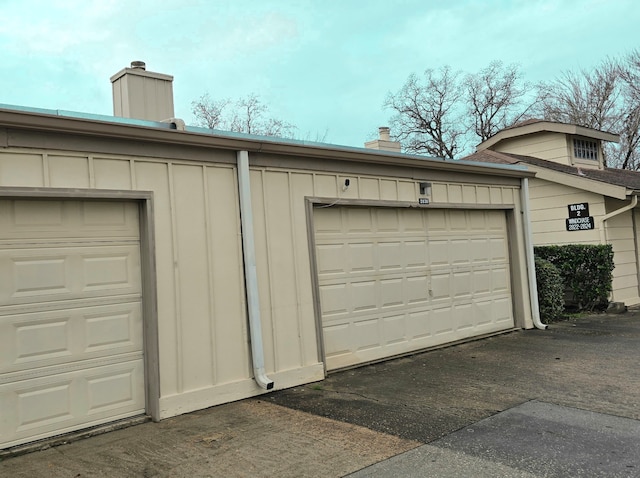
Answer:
(138, 65)
(385, 133)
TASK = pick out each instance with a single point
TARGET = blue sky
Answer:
(325, 66)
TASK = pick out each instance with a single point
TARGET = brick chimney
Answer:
(142, 94)
(384, 142)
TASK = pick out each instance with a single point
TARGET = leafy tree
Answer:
(245, 115)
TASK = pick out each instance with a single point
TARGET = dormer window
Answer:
(585, 149)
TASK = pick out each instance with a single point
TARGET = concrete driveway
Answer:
(561, 402)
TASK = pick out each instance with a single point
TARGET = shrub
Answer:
(585, 269)
(550, 290)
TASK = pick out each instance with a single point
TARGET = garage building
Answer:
(152, 269)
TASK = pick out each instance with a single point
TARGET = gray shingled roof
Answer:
(618, 177)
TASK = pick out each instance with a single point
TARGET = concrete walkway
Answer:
(561, 402)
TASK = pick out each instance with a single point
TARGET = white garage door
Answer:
(393, 281)
(70, 317)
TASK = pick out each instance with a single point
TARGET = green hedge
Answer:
(550, 290)
(585, 270)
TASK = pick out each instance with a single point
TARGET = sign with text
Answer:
(579, 210)
(580, 223)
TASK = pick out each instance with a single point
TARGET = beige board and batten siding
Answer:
(204, 353)
(71, 352)
(202, 333)
(281, 230)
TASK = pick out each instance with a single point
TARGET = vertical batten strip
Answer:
(296, 263)
(132, 172)
(210, 269)
(176, 279)
(92, 174)
(45, 170)
(269, 260)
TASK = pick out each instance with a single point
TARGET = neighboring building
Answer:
(575, 199)
(151, 268)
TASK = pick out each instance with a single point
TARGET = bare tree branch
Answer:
(247, 115)
(494, 97)
(427, 120)
(605, 98)
(440, 113)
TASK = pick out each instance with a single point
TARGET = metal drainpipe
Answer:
(250, 272)
(631, 205)
(531, 265)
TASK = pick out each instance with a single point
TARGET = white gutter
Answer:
(250, 272)
(531, 265)
(631, 205)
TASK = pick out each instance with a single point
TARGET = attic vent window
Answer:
(585, 149)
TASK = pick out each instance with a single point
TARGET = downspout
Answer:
(631, 205)
(531, 265)
(250, 272)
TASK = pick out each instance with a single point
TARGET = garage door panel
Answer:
(482, 281)
(367, 334)
(391, 293)
(441, 285)
(457, 220)
(495, 221)
(462, 283)
(363, 295)
(59, 273)
(387, 220)
(436, 220)
(358, 220)
(394, 329)
(40, 220)
(419, 325)
(500, 280)
(31, 341)
(502, 310)
(427, 277)
(389, 255)
(417, 290)
(442, 324)
(464, 319)
(331, 258)
(71, 341)
(335, 299)
(415, 254)
(337, 339)
(70, 401)
(439, 251)
(483, 311)
(412, 223)
(361, 257)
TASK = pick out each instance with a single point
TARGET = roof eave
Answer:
(162, 133)
(580, 182)
(547, 126)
